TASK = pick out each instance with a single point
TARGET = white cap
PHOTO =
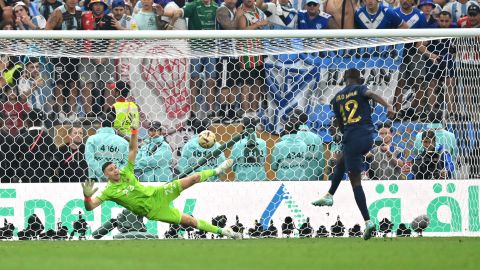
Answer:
(314, 1)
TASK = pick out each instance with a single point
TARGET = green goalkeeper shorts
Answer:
(162, 198)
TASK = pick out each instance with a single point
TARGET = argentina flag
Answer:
(289, 83)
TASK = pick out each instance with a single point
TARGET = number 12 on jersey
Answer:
(348, 112)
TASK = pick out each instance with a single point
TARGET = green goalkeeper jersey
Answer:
(129, 193)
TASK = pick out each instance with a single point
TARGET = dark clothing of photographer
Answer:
(8, 163)
(71, 164)
(36, 150)
(432, 162)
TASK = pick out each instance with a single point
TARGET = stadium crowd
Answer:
(38, 93)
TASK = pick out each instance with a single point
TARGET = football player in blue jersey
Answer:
(353, 115)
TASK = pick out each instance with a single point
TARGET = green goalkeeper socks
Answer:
(207, 227)
(204, 175)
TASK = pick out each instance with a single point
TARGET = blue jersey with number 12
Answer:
(353, 111)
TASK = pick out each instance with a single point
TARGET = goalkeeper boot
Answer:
(222, 168)
(369, 227)
(228, 232)
(326, 200)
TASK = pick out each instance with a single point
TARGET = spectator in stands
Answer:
(280, 14)
(35, 150)
(147, 18)
(314, 155)
(373, 15)
(105, 146)
(343, 12)
(445, 20)
(14, 111)
(101, 20)
(249, 154)
(121, 20)
(252, 67)
(313, 18)
(386, 160)
(66, 91)
(433, 162)
(47, 7)
(288, 156)
(458, 8)
(129, 7)
(70, 159)
(412, 67)
(8, 162)
(472, 20)
(30, 85)
(23, 20)
(66, 17)
(440, 69)
(427, 7)
(228, 68)
(154, 160)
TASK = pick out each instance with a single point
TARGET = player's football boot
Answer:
(369, 227)
(222, 168)
(228, 232)
(326, 200)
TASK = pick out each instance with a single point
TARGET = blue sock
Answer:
(361, 201)
(337, 176)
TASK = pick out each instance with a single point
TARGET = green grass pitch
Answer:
(331, 253)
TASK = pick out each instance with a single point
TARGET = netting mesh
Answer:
(188, 48)
(58, 94)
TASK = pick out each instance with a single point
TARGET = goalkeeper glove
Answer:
(88, 189)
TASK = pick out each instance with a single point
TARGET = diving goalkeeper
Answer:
(152, 202)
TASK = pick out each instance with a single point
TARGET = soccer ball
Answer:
(420, 223)
(206, 139)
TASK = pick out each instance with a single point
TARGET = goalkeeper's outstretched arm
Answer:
(133, 146)
(88, 191)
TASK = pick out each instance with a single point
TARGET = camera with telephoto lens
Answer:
(428, 165)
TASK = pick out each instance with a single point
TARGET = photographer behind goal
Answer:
(433, 162)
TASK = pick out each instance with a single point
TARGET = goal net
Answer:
(59, 88)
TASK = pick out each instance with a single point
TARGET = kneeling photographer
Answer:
(433, 162)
